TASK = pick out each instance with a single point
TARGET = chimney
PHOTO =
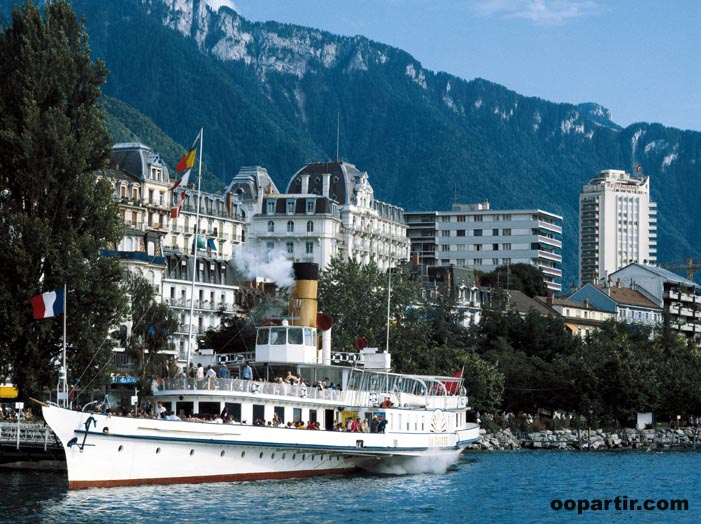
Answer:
(326, 182)
(586, 303)
(618, 283)
(305, 183)
(415, 261)
(230, 204)
(549, 299)
(303, 301)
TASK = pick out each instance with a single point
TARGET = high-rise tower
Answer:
(617, 224)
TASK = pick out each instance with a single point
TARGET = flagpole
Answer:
(65, 369)
(194, 260)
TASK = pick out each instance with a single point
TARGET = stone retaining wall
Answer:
(685, 438)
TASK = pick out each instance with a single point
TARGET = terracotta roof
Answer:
(627, 296)
(567, 303)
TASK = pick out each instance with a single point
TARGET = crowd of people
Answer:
(199, 377)
(8, 412)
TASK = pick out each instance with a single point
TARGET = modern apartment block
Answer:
(617, 224)
(473, 235)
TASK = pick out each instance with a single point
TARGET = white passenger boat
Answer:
(425, 418)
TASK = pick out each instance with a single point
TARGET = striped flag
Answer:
(186, 162)
(48, 304)
(188, 159)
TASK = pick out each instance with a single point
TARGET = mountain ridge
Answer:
(270, 94)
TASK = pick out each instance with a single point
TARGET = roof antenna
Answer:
(338, 132)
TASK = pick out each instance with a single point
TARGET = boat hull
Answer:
(104, 451)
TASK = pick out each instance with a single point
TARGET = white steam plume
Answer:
(271, 265)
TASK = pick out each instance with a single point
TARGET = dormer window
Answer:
(290, 207)
(270, 209)
(310, 206)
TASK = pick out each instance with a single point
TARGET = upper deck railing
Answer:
(404, 391)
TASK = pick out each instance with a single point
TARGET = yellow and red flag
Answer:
(186, 162)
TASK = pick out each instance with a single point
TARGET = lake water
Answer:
(504, 487)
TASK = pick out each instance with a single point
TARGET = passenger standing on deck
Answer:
(247, 373)
(199, 376)
(210, 375)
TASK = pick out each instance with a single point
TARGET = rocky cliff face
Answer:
(269, 94)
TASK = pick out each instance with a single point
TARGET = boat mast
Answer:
(389, 298)
(194, 248)
(64, 369)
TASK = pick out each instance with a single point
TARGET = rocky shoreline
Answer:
(566, 439)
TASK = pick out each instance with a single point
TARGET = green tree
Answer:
(152, 325)
(356, 295)
(55, 216)
(612, 376)
(521, 277)
(235, 334)
(484, 383)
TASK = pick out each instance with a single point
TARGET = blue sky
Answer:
(641, 59)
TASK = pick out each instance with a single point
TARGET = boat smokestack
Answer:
(303, 302)
(324, 322)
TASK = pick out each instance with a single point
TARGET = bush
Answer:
(489, 425)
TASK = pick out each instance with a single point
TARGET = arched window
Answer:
(310, 226)
(271, 226)
(290, 226)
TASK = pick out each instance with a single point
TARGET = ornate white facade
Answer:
(329, 210)
(161, 248)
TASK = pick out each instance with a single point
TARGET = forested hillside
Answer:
(270, 94)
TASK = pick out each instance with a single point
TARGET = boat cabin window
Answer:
(263, 336)
(184, 409)
(294, 335)
(208, 408)
(258, 414)
(234, 410)
(296, 414)
(309, 337)
(277, 336)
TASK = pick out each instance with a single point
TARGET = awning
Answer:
(572, 327)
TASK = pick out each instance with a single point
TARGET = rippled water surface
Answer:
(505, 487)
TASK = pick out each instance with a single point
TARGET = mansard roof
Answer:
(249, 180)
(343, 178)
(132, 158)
